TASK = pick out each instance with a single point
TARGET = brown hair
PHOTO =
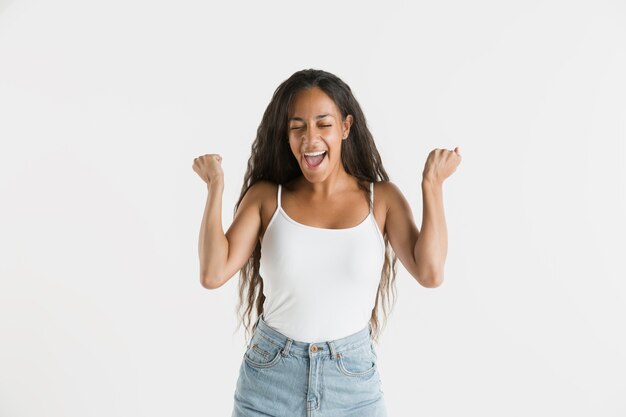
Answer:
(272, 160)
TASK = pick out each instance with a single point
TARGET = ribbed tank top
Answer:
(320, 284)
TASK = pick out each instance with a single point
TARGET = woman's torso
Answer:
(345, 211)
(320, 262)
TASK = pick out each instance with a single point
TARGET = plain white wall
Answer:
(104, 105)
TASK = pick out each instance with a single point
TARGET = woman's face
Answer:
(315, 125)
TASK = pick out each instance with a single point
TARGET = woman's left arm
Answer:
(432, 246)
(423, 253)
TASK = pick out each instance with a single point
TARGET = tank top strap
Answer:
(278, 197)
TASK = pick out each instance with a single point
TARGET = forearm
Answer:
(212, 243)
(432, 245)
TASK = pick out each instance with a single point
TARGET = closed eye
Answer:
(300, 127)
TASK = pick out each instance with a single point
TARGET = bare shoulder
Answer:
(387, 194)
(387, 199)
(260, 191)
(264, 193)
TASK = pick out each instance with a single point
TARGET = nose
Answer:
(310, 134)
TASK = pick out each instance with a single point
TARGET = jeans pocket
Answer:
(262, 353)
(357, 362)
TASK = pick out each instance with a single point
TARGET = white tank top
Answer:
(320, 284)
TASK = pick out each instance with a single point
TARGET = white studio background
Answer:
(104, 105)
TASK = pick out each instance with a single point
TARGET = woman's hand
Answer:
(440, 164)
(209, 167)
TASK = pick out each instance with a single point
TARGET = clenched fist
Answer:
(440, 164)
(209, 167)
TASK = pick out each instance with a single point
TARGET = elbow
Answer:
(431, 280)
(210, 284)
(433, 283)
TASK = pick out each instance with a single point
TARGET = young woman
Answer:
(311, 236)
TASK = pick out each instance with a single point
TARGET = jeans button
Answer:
(313, 348)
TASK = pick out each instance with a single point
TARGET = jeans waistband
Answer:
(304, 349)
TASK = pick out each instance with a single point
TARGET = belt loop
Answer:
(333, 352)
(285, 350)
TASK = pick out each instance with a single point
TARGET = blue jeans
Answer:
(282, 377)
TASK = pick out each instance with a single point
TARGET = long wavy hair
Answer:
(272, 160)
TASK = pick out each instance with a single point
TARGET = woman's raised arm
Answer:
(423, 253)
(223, 254)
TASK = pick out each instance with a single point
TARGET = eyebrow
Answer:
(321, 116)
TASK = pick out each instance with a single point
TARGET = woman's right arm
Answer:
(223, 254)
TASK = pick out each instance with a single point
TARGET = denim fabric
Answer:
(282, 377)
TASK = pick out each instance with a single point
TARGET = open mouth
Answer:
(315, 159)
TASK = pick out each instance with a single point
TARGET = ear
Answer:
(347, 123)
